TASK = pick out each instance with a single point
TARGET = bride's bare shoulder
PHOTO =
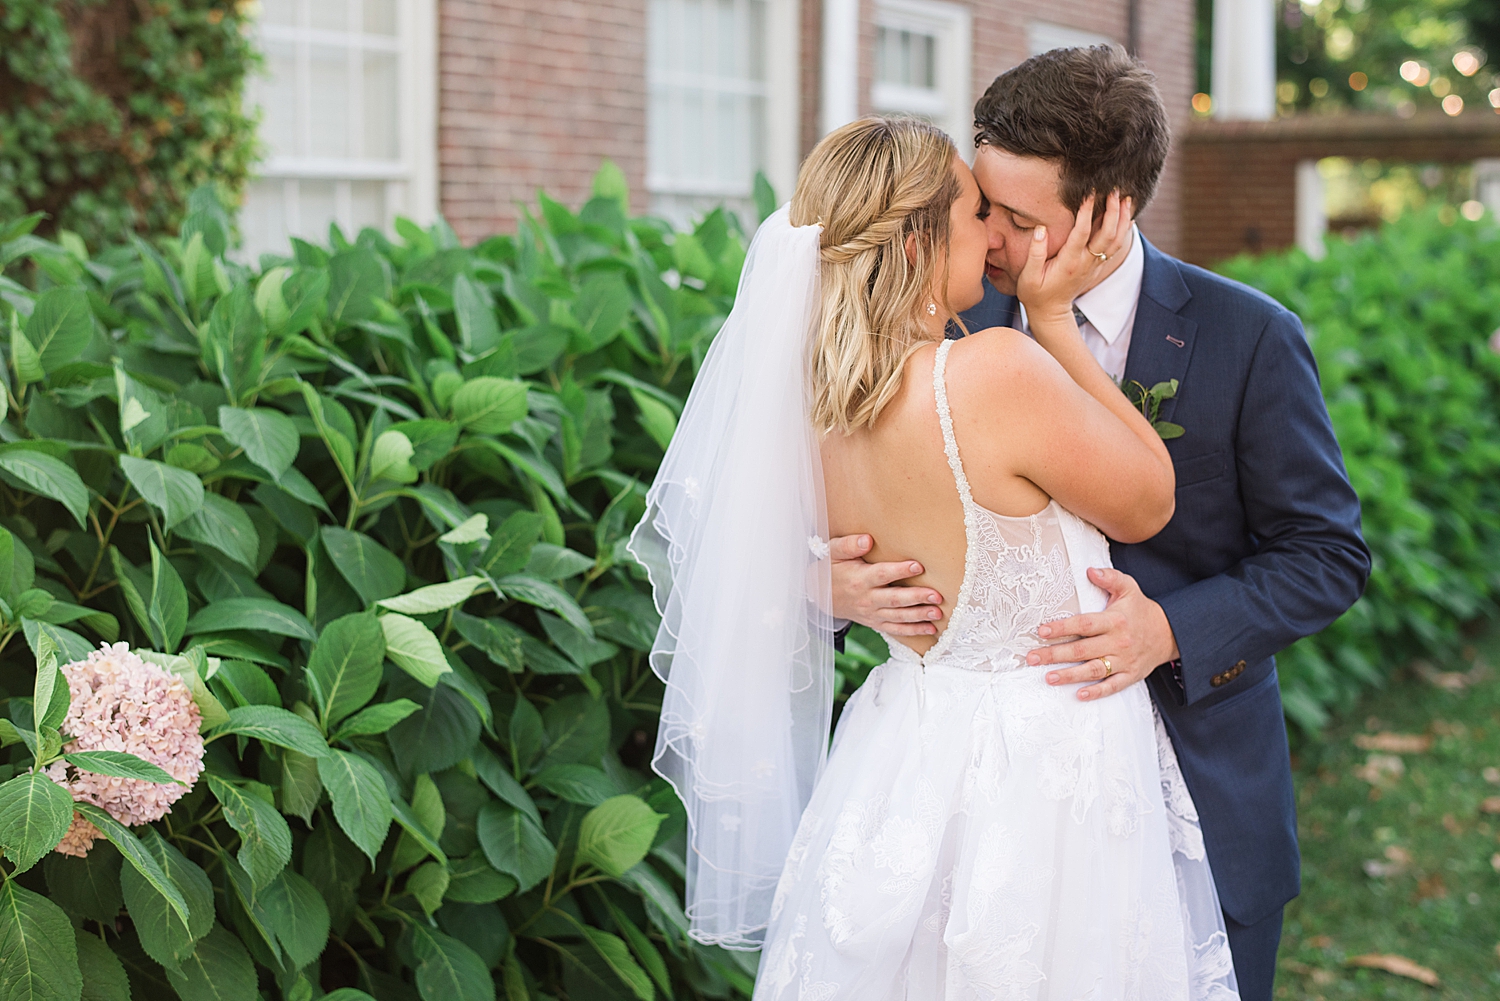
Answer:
(997, 357)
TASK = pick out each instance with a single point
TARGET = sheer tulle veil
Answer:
(733, 540)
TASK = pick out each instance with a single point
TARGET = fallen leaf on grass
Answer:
(1491, 804)
(1398, 859)
(1381, 769)
(1495, 864)
(1320, 941)
(1491, 775)
(1431, 887)
(1394, 743)
(1399, 965)
(1451, 681)
(1450, 824)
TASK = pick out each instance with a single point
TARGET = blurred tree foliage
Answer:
(113, 111)
(1322, 46)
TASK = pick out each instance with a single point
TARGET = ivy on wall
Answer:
(113, 111)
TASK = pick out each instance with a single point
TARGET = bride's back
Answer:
(893, 480)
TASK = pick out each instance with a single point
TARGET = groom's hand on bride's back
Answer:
(862, 592)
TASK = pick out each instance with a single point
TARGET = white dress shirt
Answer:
(1110, 308)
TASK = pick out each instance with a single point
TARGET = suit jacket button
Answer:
(1217, 680)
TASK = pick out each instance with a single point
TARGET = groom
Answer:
(1265, 545)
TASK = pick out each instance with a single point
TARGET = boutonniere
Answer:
(1148, 402)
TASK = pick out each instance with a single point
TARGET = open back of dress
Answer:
(979, 834)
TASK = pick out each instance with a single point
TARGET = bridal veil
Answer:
(733, 540)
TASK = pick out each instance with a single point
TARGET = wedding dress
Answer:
(980, 834)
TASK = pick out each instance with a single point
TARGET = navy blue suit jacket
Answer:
(1264, 548)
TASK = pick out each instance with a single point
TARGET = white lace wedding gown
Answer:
(980, 834)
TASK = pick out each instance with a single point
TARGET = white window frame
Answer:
(781, 90)
(412, 178)
(1044, 36)
(950, 105)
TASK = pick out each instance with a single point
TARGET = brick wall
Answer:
(1241, 190)
(1000, 41)
(532, 93)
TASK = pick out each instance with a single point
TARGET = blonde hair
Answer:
(871, 184)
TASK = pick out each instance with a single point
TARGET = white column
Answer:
(1244, 59)
(840, 64)
(1487, 184)
(783, 111)
(1312, 215)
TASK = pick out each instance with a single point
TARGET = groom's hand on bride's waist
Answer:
(863, 592)
(1132, 634)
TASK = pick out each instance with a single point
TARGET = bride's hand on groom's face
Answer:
(1047, 286)
(862, 592)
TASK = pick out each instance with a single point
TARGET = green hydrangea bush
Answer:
(1403, 322)
(369, 502)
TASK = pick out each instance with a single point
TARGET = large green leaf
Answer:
(104, 977)
(438, 736)
(176, 493)
(60, 327)
(265, 838)
(52, 478)
(545, 594)
(298, 916)
(447, 970)
(514, 844)
(268, 436)
(254, 614)
(434, 597)
(511, 543)
(577, 730)
(17, 567)
(361, 803)
(371, 569)
(119, 764)
(477, 327)
(489, 405)
(218, 970)
(164, 934)
(375, 719)
(35, 813)
(473, 880)
(88, 886)
(356, 278)
(38, 953)
(617, 833)
(274, 726)
(617, 956)
(344, 669)
(168, 608)
(583, 784)
(412, 647)
(223, 524)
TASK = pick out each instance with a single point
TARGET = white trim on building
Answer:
(722, 100)
(923, 51)
(348, 105)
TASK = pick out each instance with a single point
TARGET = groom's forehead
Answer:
(1024, 184)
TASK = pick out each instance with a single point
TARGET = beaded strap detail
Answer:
(971, 513)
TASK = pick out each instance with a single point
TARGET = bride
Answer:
(973, 832)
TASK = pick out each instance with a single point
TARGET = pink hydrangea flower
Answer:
(122, 703)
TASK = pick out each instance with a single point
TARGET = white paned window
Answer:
(922, 55)
(347, 103)
(721, 81)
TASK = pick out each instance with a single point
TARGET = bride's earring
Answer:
(931, 308)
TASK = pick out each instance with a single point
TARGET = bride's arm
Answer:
(1048, 287)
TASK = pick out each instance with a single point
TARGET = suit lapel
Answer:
(1161, 343)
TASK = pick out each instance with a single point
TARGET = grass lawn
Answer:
(1399, 808)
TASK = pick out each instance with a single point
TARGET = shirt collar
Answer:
(1110, 304)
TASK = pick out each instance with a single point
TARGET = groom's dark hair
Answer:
(1094, 111)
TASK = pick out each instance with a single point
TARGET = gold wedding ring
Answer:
(1108, 667)
(1102, 257)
